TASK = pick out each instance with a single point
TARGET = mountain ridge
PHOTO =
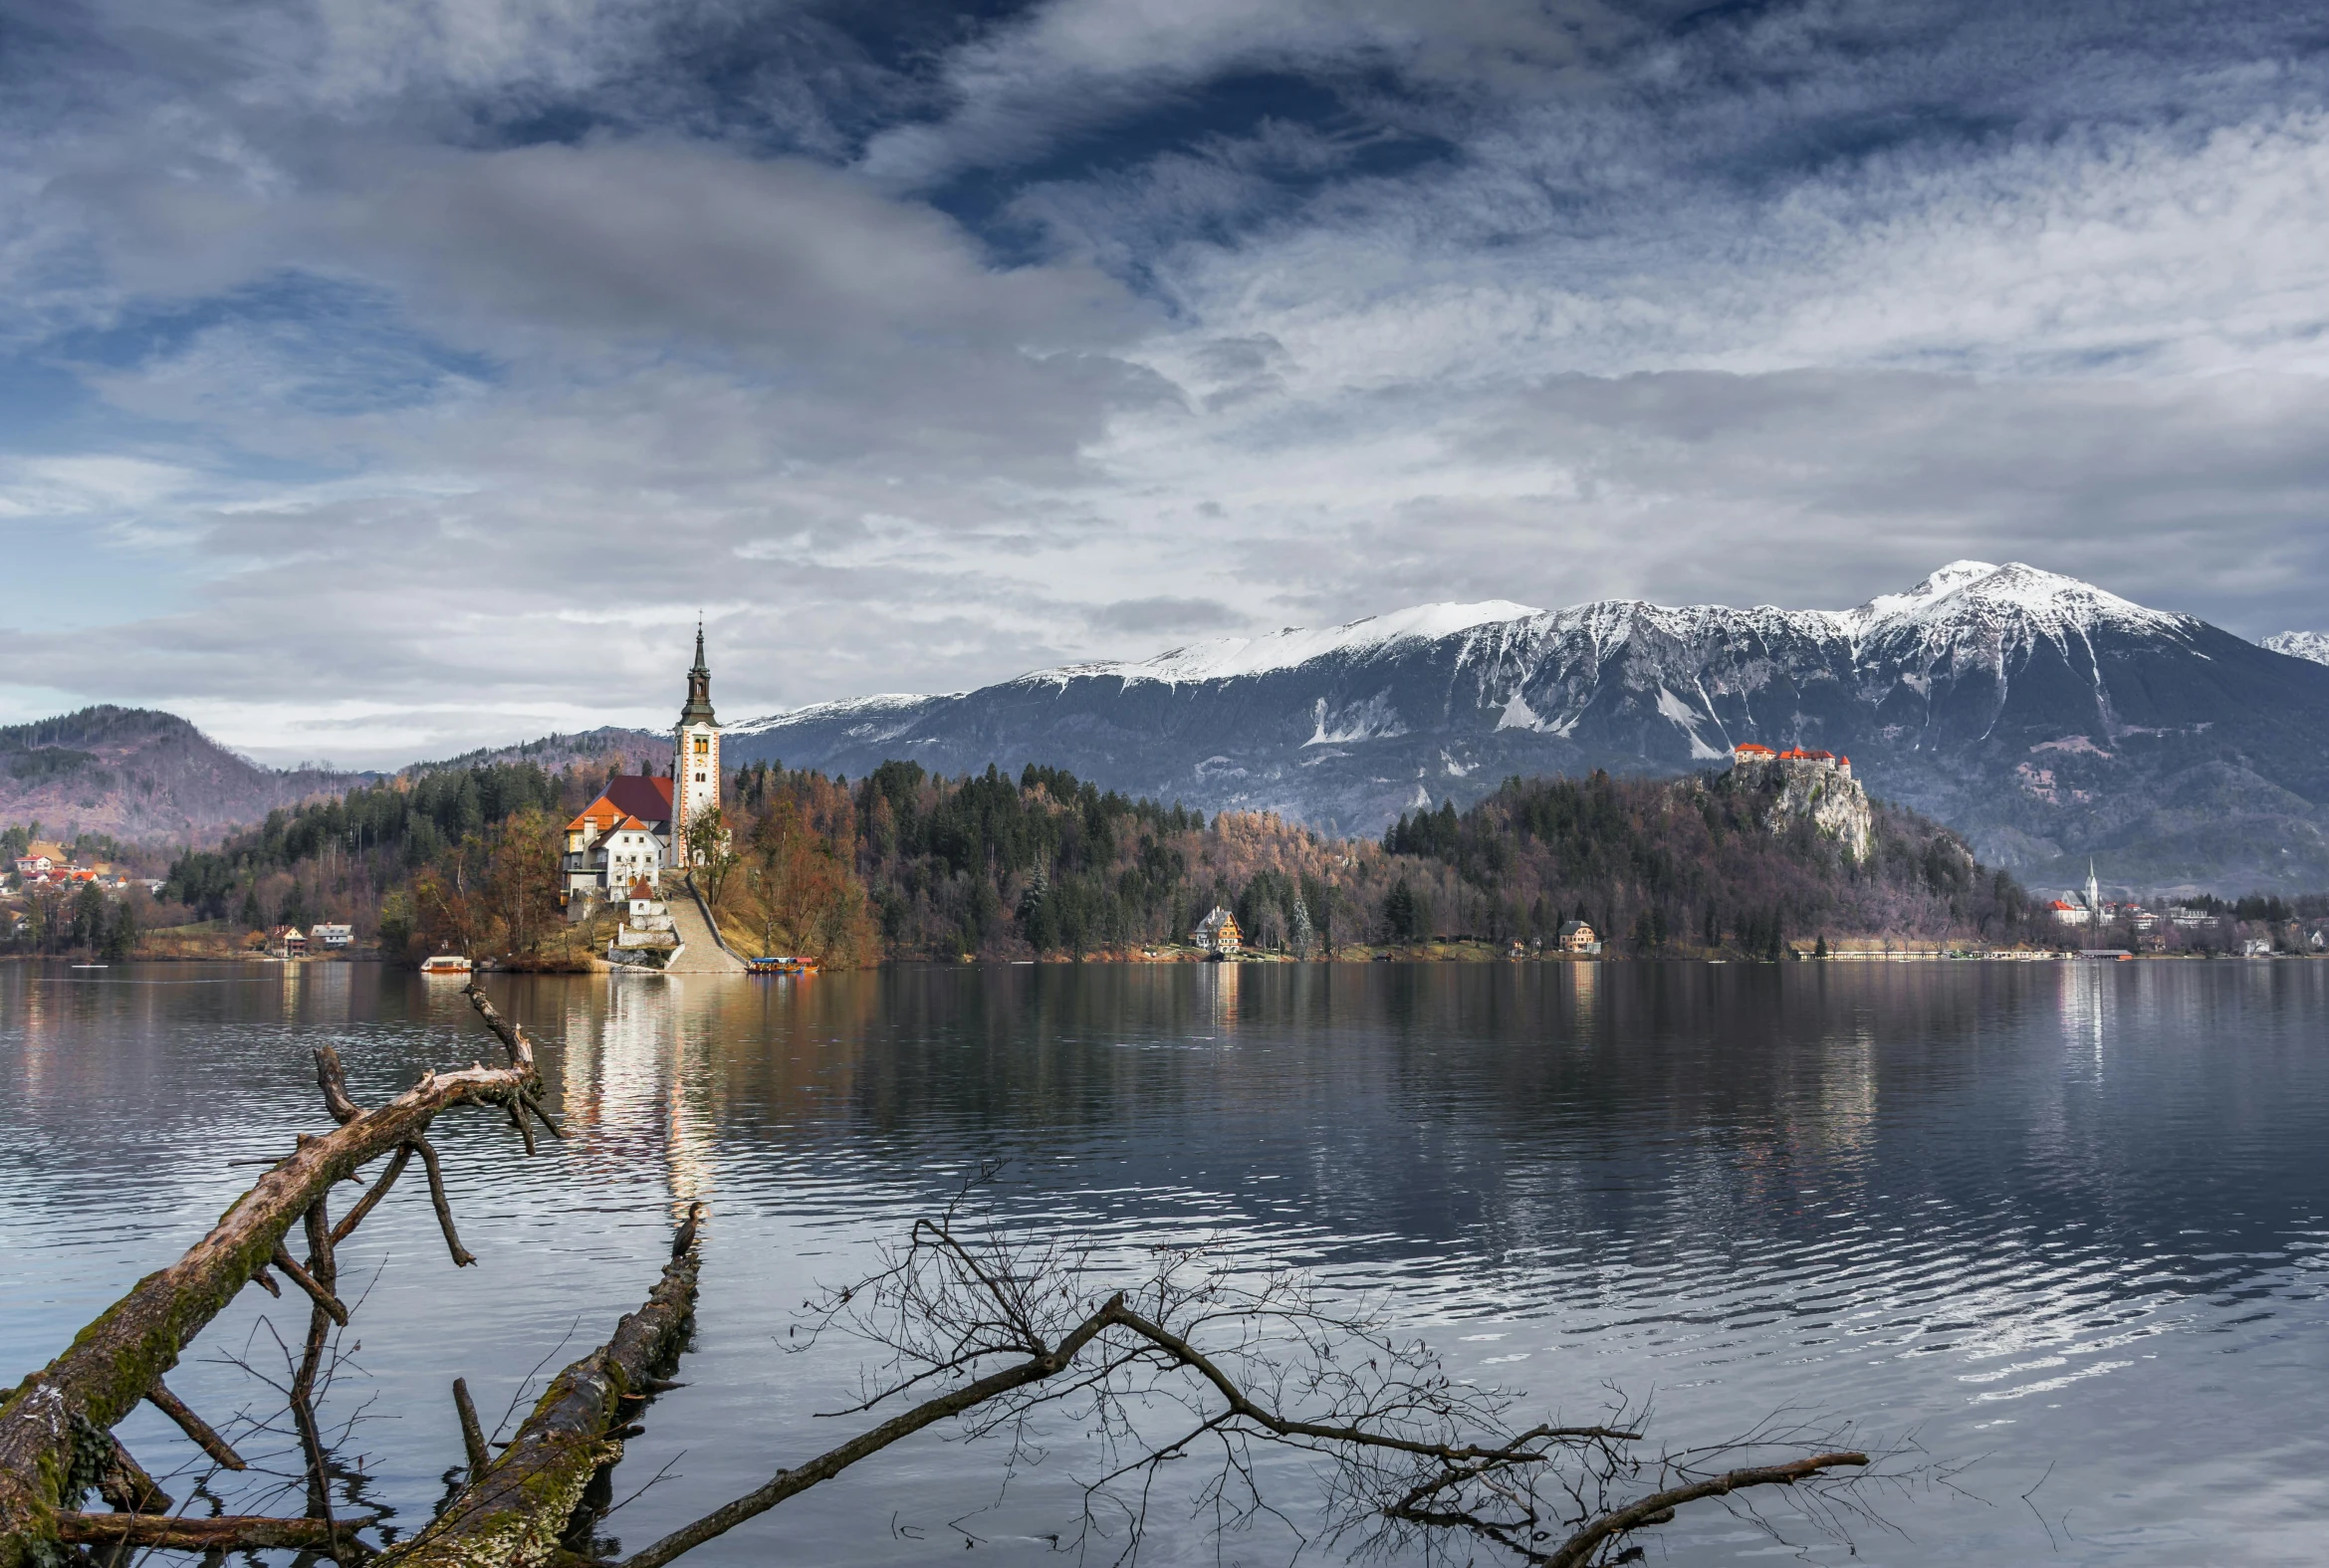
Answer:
(2045, 717)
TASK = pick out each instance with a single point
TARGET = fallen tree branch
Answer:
(472, 1431)
(195, 1427)
(229, 1533)
(373, 1195)
(299, 1276)
(517, 1507)
(44, 1467)
(462, 1256)
(792, 1482)
(1659, 1506)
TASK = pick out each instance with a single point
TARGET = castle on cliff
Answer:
(1747, 756)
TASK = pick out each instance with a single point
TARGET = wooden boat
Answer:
(446, 964)
(779, 963)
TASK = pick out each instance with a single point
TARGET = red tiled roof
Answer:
(1750, 749)
(649, 799)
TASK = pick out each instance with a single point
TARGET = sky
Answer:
(381, 378)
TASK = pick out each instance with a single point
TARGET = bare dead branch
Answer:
(373, 1195)
(472, 1435)
(833, 1462)
(334, 1082)
(228, 1533)
(195, 1427)
(462, 1256)
(299, 1276)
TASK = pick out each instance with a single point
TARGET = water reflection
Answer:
(1910, 1191)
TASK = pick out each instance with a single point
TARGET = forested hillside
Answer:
(905, 864)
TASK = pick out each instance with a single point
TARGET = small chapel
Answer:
(638, 828)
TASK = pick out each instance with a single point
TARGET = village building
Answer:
(288, 942)
(48, 862)
(324, 934)
(648, 930)
(1217, 933)
(1579, 937)
(39, 859)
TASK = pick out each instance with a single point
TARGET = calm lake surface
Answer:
(2065, 1227)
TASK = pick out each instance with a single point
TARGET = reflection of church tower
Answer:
(695, 755)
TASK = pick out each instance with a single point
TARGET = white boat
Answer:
(446, 964)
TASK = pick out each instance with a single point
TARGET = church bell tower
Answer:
(695, 755)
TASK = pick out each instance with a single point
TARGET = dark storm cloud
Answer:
(468, 345)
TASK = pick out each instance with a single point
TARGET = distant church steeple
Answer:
(2094, 896)
(695, 754)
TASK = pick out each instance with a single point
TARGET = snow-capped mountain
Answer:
(2313, 645)
(2041, 715)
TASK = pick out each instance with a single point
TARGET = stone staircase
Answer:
(701, 951)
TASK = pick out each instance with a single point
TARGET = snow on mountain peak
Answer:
(1227, 657)
(1976, 591)
(2313, 645)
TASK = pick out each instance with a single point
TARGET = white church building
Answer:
(638, 828)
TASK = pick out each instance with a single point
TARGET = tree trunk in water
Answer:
(521, 1507)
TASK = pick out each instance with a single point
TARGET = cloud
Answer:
(472, 348)
(1165, 614)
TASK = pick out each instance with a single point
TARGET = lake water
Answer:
(2065, 1227)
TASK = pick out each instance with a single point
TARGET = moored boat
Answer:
(446, 964)
(780, 964)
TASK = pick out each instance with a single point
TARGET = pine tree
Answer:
(122, 935)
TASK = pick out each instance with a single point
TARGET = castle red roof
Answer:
(1750, 749)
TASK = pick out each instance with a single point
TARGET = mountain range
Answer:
(2045, 718)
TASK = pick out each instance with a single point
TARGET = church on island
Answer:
(638, 828)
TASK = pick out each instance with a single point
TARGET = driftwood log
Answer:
(54, 1425)
(519, 1507)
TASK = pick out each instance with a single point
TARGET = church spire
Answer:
(699, 685)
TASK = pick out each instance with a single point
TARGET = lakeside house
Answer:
(1579, 937)
(324, 934)
(1217, 933)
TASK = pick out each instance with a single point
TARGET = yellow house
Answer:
(1217, 932)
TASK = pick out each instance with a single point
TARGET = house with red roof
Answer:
(622, 838)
